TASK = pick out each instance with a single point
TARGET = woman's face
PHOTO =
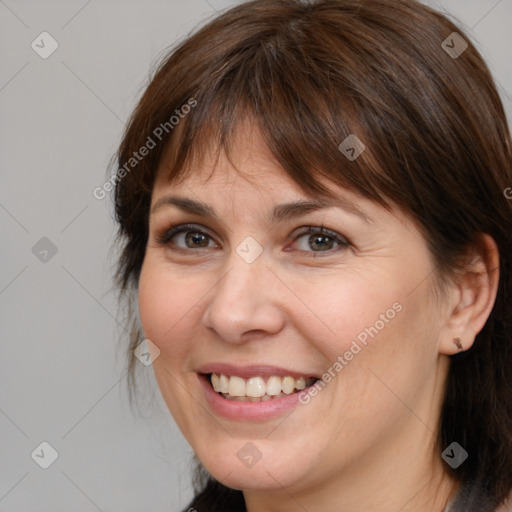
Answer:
(246, 292)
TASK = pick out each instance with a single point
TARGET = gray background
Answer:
(62, 356)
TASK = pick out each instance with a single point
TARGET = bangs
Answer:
(303, 110)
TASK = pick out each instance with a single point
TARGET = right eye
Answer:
(185, 236)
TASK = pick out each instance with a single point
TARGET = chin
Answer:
(247, 465)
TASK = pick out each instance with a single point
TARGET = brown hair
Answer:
(437, 144)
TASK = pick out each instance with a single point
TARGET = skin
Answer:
(367, 441)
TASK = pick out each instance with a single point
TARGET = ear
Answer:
(472, 297)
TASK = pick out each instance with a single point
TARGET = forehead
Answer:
(246, 157)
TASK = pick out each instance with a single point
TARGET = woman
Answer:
(311, 208)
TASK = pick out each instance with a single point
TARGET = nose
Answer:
(245, 303)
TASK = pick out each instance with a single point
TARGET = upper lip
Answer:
(248, 371)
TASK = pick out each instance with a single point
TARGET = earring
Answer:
(458, 343)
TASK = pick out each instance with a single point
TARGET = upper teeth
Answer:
(256, 386)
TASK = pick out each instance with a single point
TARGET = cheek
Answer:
(341, 311)
(166, 306)
(368, 325)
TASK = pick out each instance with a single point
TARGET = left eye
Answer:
(320, 240)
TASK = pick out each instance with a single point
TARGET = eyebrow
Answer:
(280, 213)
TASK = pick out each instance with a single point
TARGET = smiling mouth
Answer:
(257, 389)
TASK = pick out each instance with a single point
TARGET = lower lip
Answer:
(250, 411)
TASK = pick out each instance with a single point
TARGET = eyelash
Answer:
(166, 237)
